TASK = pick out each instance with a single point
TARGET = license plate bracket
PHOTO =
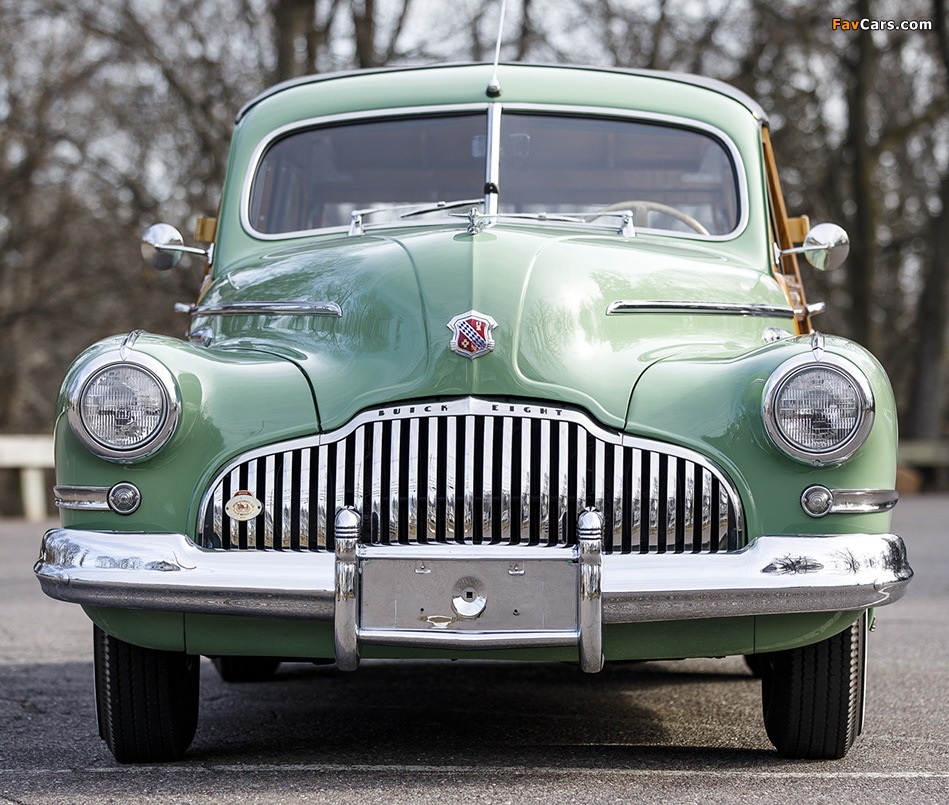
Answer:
(456, 594)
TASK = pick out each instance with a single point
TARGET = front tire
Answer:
(146, 700)
(812, 696)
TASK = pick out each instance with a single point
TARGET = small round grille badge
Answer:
(243, 506)
(471, 334)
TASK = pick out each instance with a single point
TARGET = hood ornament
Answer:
(471, 334)
(477, 222)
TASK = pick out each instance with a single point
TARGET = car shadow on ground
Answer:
(482, 713)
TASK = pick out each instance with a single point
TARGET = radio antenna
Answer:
(494, 85)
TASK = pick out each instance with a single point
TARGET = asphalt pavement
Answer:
(464, 732)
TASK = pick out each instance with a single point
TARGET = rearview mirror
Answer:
(826, 246)
(162, 247)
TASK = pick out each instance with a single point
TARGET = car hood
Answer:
(549, 293)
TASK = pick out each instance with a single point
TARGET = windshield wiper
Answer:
(477, 221)
(356, 224)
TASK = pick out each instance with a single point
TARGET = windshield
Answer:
(672, 178)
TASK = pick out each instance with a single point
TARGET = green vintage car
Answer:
(500, 365)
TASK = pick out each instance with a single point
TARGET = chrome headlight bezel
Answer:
(158, 436)
(842, 449)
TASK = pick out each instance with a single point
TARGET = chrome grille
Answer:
(475, 471)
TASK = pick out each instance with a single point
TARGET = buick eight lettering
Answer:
(509, 364)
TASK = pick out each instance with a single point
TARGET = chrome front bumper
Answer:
(473, 596)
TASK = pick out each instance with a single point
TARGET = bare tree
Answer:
(930, 372)
(115, 114)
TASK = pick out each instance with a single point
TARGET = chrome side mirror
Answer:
(826, 246)
(162, 247)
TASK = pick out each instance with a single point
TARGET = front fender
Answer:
(715, 406)
(231, 401)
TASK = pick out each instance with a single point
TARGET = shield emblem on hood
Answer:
(471, 334)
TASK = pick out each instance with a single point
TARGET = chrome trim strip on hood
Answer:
(264, 308)
(624, 306)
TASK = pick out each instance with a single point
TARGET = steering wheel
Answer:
(641, 211)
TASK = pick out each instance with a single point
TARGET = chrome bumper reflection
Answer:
(771, 575)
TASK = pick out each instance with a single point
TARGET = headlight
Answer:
(819, 412)
(123, 410)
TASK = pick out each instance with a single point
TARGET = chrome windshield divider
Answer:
(492, 166)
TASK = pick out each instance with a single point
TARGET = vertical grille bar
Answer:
(247, 481)
(481, 458)
(322, 503)
(501, 458)
(228, 532)
(382, 502)
(714, 517)
(405, 525)
(662, 502)
(213, 516)
(293, 499)
(461, 519)
(540, 481)
(679, 480)
(515, 481)
(371, 488)
(270, 533)
(435, 485)
(306, 492)
(420, 478)
(558, 488)
(572, 465)
(529, 477)
(398, 469)
(732, 526)
(630, 512)
(646, 501)
(588, 445)
(617, 509)
(697, 508)
(275, 491)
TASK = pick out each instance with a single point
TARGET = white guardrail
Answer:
(32, 456)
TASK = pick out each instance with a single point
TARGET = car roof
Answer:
(711, 84)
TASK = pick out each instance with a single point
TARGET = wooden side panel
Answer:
(787, 231)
